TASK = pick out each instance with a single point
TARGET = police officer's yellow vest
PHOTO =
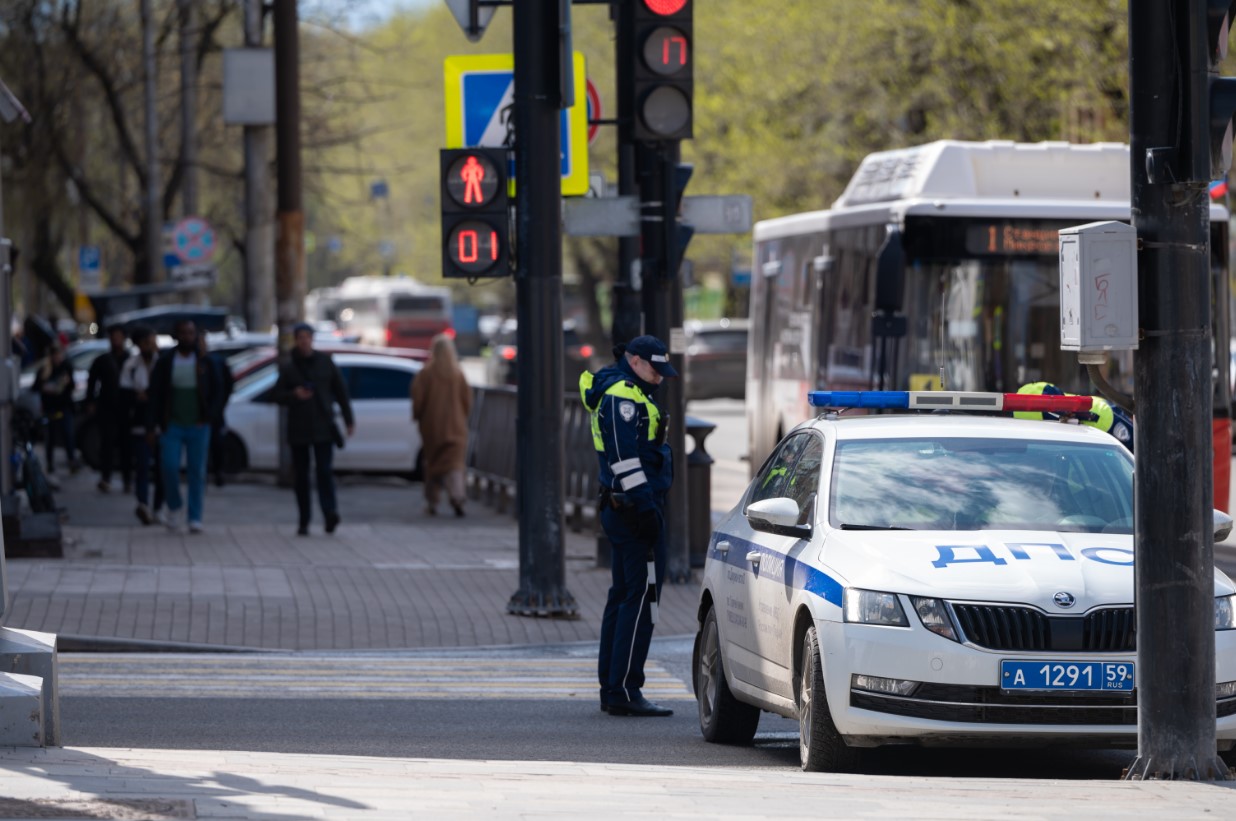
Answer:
(623, 390)
(1098, 406)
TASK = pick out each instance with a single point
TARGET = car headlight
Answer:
(1225, 613)
(934, 616)
(872, 607)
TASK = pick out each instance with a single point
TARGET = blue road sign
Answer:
(89, 258)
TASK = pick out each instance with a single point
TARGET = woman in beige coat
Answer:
(441, 402)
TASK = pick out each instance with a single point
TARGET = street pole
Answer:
(627, 323)
(1173, 521)
(290, 241)
(154, 208)
(188, 107)
(663, 318)
(259, 229)
(542, 589)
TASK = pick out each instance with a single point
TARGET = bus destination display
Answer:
(1010, 238)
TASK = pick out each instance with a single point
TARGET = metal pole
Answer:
(154, 208)
(1173, 521)
(627, 322)
(259, 228)
(538, 282)
(290, 241)
(188, 107)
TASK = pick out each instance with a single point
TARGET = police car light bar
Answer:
(950, 400)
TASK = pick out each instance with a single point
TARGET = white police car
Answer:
(932, 579)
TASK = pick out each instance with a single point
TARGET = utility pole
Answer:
(188, 107)
(290, 241)
(259, 229)
(541, 73)
(154, 207)
(1173, 521)
(627, 323)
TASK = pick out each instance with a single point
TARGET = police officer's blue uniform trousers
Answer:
(626, 626)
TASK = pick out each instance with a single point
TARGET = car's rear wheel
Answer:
(723, 718)
(820, 746)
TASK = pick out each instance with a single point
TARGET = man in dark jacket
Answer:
(310, 385)
(636, 470)
(105, 401)
(185, 391)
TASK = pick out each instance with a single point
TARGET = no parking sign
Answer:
(193, 241)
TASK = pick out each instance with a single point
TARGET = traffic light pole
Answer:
(1174, 533)
(626, 301)
(538, 287)
(657, 165)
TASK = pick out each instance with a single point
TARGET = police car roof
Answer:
(913, 425)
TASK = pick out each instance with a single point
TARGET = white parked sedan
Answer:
(931, 579)
(386, 438)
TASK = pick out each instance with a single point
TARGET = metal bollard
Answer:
(699, 491)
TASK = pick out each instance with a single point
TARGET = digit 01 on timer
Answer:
(474, 212)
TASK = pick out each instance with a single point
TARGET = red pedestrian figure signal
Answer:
(472, 180)
(665, 7)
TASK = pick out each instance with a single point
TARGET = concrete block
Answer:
(29, 653)
(21, 710)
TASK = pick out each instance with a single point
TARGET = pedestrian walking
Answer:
(105, 403)
(310, 386)
(135, 388)
(635, 470)
(441, 402)
(185, 390)
(54, 386)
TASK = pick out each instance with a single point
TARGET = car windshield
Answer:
(981, 484)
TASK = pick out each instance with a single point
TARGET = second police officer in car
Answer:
(636, 471)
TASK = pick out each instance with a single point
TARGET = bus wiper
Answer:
(873, 527)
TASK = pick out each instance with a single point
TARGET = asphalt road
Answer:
(536, 726)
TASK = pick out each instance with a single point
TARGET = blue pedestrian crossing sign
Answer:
(480, 94)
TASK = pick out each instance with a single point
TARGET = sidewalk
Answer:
(390, 577)
(159, 784)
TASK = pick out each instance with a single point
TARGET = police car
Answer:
(933, 579)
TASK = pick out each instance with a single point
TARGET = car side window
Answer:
(367, 382)
(775, 477)
(805, 477)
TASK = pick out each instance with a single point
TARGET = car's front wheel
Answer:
(723, 718)
(820, 746)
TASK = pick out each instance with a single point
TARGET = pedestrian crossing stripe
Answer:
(344, 676)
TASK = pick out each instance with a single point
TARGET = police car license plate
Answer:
(1067, 675)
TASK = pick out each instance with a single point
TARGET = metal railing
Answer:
(491, 454)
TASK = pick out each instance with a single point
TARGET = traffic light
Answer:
(1221, 91)
(475, 222)
(663, 84)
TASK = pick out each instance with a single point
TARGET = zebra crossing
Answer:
(344, 676)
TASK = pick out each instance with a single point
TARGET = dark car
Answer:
(577, 356)
(716, 359)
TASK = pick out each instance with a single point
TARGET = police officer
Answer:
(636, 470)
(1103, 415)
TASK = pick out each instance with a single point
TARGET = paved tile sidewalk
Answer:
(391, 577)
(198, 784)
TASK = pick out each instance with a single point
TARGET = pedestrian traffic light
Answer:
(663, 83)
(1221, 91)
(475, 222)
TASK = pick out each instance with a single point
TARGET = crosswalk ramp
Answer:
(306, 676)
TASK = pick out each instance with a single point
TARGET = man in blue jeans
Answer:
(185, 391)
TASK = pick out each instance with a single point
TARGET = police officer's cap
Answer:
(652, 350)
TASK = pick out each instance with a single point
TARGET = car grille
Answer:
(991, 705)
(1002, 627)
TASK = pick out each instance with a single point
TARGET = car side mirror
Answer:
(779, 515)
(1223, 526)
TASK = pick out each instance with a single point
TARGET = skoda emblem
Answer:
(1063, 599)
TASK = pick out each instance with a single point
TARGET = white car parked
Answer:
(386, 438)
(929, 579)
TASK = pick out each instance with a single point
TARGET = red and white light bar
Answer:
(950, 400)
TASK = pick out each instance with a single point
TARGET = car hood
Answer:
(1028, 567)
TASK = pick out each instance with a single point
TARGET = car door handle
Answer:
(754, 557)
(723, 548)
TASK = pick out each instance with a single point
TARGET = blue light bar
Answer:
(859, 399)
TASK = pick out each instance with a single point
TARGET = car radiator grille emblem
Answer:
(1063, 599)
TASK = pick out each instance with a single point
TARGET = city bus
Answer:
(396, 312)
(937, 268)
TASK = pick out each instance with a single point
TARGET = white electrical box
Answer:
(1098, 289)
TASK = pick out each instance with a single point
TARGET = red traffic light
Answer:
(665, 7)
(472, 180)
